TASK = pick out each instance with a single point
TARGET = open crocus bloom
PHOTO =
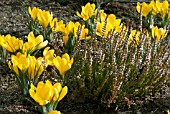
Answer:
(45, 93)
(19, 62)
(63, 64)
(34, 43)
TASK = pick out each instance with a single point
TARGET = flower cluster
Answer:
(26, 68)
(44, 17)
(13, 44)
(155, 7)
(153, 10)
(10, 43)
(107, 24)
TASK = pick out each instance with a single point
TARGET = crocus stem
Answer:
(44, 110)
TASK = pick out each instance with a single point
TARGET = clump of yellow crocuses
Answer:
(156, 7)
(107, 25)
(39, 22)
(10, 43)
(150, 11)
(48, 95)
(42, 16)
(27, 69)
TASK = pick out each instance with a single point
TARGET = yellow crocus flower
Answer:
(84, 32)
(70, 28)
(87, 11)
(158, 34)
(67, 30)
(59, 92)
(111, 24)
(36, 67)
(160, 7)
(34, 43)
(33, 12)
(146, 8)
(169, 15)
(164, 8)
(49, 56)
(57, 89)
(54, 112)
(20, 61)
(63, 93)
(63, 64)
(57, 26)
(44, 18)
(102, 15)
(10, 43)
(43, 94)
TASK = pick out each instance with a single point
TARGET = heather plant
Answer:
(119, 64)
(112, 71)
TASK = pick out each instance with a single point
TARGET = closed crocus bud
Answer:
(33, 12)
(63, 93)
(57, 89)
(87, 11)
(44, 18)
(49, 56)
(146, 8)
